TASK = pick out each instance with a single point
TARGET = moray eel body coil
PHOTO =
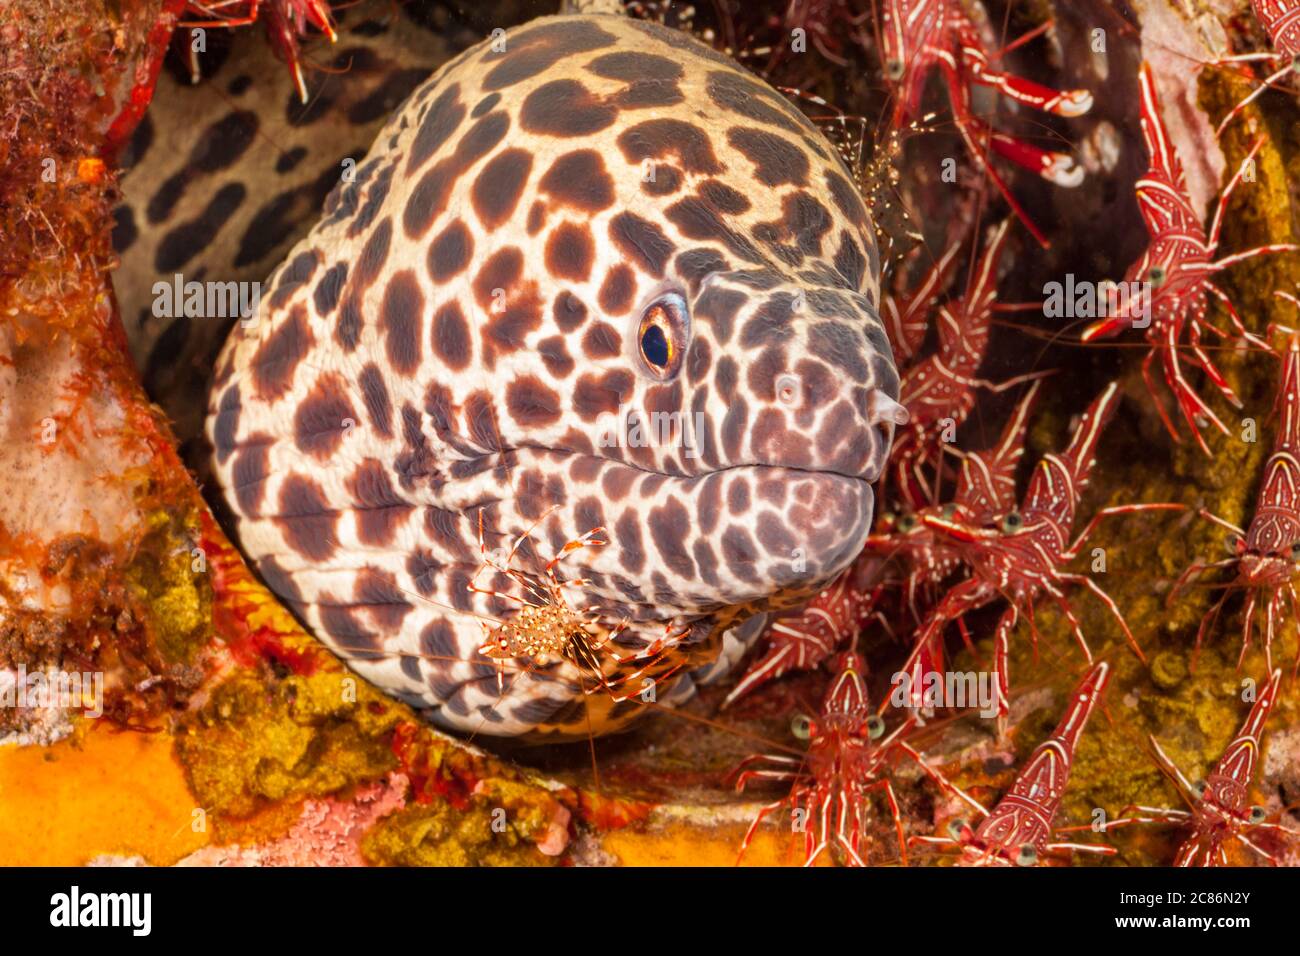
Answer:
(591, 273)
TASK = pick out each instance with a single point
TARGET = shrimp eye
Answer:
(1200, 787)
(1156, 275)
(1258, 814)
(894, 69)
(1012, 523)
(1295, 63)
(661, 336)
(950, 510)
(956, 828)
(1027, 855)
(1295, 551)
(801, 726)
(906, 523)
(875, 727)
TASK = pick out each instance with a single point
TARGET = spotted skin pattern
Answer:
(461, 329)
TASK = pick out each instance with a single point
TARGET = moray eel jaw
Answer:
(591, 274)
(740, 536)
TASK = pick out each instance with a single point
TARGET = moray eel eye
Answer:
(661, 337)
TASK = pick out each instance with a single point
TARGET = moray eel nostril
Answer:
(883, 409)
(503, 317)
(884, 414)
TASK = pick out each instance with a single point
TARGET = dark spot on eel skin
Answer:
(450, 336)
(531, 403)
(181, 243)
(377, 591)
(740, 553)
(670, 527)
(568, 311)
(849, 261)
(565, 108)
(555, 356)
(380, 510)
(328, 288)
(594, 396)
(249, 471)
(847, 199)
(602, 341)
(498, 187)
(718, 306)
(534, 51)
(570, 251)
(747, 97)
(450, 252)
(293, 276)
(662, 180)
(776, 160)
(641, 241)
(277, 358)
(658, 138)
(485, 105)
(351, 639)
(375, 196)
(347, 331)
(324, 418)
(226, 425)
(440, 121)
(627, 531)
(616, 292)
(630, 66)
(306, 520)
(697, 219)
(579, 179)
(428, 199)
(124, 229)
(401, 312)
(379, 405)
(696, 264)
(680, 40)
(279, 580)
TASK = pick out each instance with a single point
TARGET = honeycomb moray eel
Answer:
(592, 273)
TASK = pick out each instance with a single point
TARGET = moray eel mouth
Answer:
(747, 535)
(738, 511)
